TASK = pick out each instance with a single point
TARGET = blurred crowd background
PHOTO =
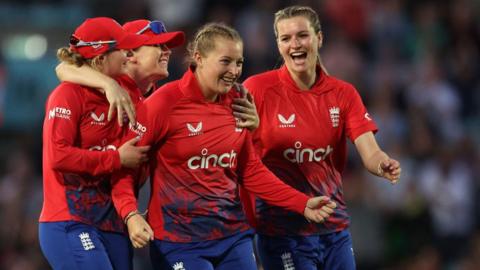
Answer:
(416, 64)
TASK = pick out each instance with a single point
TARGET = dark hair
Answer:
(204, 40)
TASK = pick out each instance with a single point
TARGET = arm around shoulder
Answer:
(118, 97)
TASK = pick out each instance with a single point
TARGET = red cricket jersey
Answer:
(198, 157)
(302, 140)
(79, 156)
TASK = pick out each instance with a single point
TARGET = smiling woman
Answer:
(79, 228)
(308, 149)
(298, 45)
(217, 54)
(146, 65)
(147, 62)
(199, 160)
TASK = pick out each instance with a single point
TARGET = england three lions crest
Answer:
(335, 116)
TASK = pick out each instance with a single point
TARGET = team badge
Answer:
(335, 116)
(178, 266)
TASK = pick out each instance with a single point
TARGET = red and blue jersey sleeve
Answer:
(302, 140)
(63, 114)
(151, 126)
(75, 171)
(258, 180)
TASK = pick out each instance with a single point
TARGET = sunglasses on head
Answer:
(156, 27)
(80, 43)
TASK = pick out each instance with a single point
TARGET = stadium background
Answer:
(415, 63)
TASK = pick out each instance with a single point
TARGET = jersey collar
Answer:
(190, 87)
(317, 87)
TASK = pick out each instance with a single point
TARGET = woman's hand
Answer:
(319, 209)
(375, 160)
(139, 231)
(245, 110)
(120, 101)
(118, 97)
(132, 156)
(390, 169)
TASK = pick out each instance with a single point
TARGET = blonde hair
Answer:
(205, 38)
(300, 11)
(65, 54)
(296, 11)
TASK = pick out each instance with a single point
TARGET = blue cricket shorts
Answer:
(330, 251)
(231, 253)
(76, 246)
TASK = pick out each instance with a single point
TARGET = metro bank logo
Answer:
(59, 112)
(138, 128)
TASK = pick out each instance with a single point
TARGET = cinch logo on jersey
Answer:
(194, 131)
(299, 155)
(139, 129)
(103, 148)
(225, 160)
(97, 120)
(334, 116)
(286, 123)
(60, 113)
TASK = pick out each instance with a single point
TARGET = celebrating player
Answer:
(306, 117)
(79, 228)
(146, 65)
(198, 160)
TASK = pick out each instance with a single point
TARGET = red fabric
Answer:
(200, 157)
(302, 140)
(79, 156)
(171, 39)
(104, 29)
